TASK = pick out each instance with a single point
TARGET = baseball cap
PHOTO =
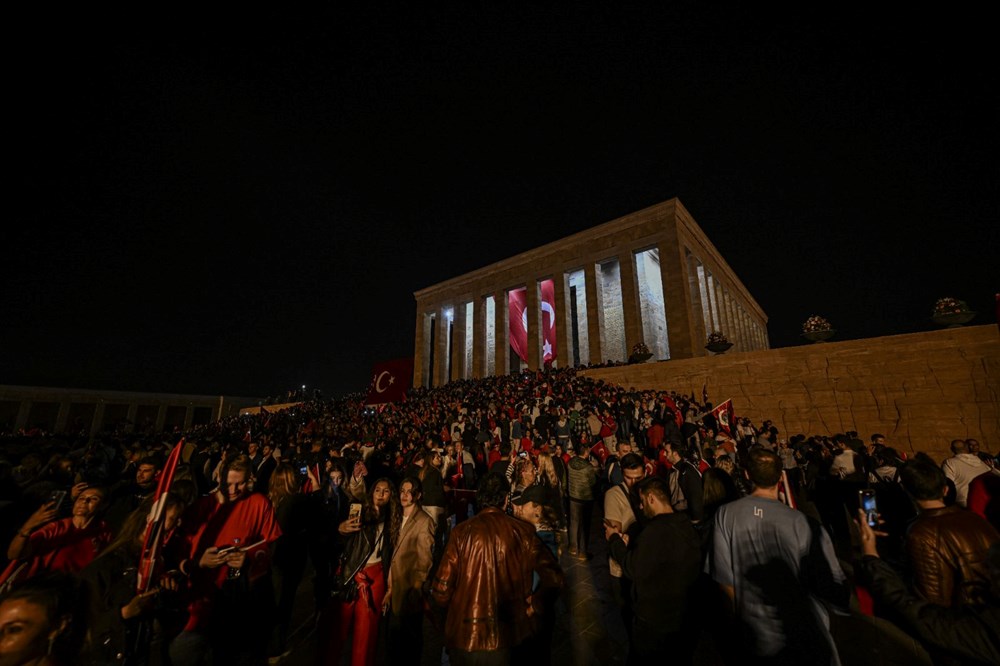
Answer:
(534, 494)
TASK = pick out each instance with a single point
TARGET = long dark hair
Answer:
(393, 516)
(135, 526)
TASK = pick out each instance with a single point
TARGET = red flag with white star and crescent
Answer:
(548, 303)
(390, 381)
(724, 416)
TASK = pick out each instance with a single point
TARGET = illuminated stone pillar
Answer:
(500, 331)
(532, 308)
(595, 312)
(564, 328)
(630, 302)
(458, 341)
(681, 324)
(697, 311)
(479, 341)
(418, 350)
(440, 348)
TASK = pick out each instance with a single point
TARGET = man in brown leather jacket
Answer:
(947, 545)
(485, 580)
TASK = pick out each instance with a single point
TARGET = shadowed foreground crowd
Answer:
(435, 529)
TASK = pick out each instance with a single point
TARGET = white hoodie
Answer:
(962, 469)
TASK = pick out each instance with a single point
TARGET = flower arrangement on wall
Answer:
(949, 305)
(717, 338)
(815, 324)
(639, 348)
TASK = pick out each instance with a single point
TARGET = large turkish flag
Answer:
(518, 322)
(390, 380)
(517, 304)
(548, 321)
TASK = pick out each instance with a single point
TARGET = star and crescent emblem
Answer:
(378, 381)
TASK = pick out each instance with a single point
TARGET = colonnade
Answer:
(650, 277)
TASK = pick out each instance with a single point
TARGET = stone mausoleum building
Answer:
(651, 276)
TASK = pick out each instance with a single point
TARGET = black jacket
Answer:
(663, 561)
(970, 635)
(358, 547)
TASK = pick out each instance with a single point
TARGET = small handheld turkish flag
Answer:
(724, 416)
(390, 381)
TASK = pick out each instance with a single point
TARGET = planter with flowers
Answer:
(718, 343)
(640, 353)
(952, 312)
(817, 329)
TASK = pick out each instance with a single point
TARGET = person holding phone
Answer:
(230, 538)
(370, 538)
(44, 544)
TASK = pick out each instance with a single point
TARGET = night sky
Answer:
(232, 204)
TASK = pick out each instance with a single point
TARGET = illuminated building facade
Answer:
(651, 277)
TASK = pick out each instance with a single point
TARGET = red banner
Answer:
(154, 537)
(548, 289)
(390, 381)
(518, 318)
(518, 310)
(724, 417)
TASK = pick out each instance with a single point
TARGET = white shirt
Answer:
(962, 469)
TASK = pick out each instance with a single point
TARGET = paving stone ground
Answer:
(589, 630)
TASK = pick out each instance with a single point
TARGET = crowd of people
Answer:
(441, 525)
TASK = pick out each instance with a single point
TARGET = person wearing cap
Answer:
(533, 507)
(485, 581)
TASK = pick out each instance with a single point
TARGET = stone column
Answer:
(747, 339)
(133, 408)
(564, 329)
(595, 312)
(441, 351)
(458, 342)
(188, 417)
(500, 332)
(478, 336)
(23, 413)
(532, 307)
(98, 421)
(681, 322)
(161, 418)
(743, 346)
(62, 416)
(434, 335)
(697, 313)
(732, 329)
(418, 349)
(631, 310)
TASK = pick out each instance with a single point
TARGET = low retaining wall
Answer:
(920, 390)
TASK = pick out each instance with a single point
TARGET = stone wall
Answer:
(920, 390)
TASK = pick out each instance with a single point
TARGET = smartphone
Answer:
(304, 470)
(355, 511)
(869, 506)
(57, 496)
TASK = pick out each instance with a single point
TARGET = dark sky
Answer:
(240, 204)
